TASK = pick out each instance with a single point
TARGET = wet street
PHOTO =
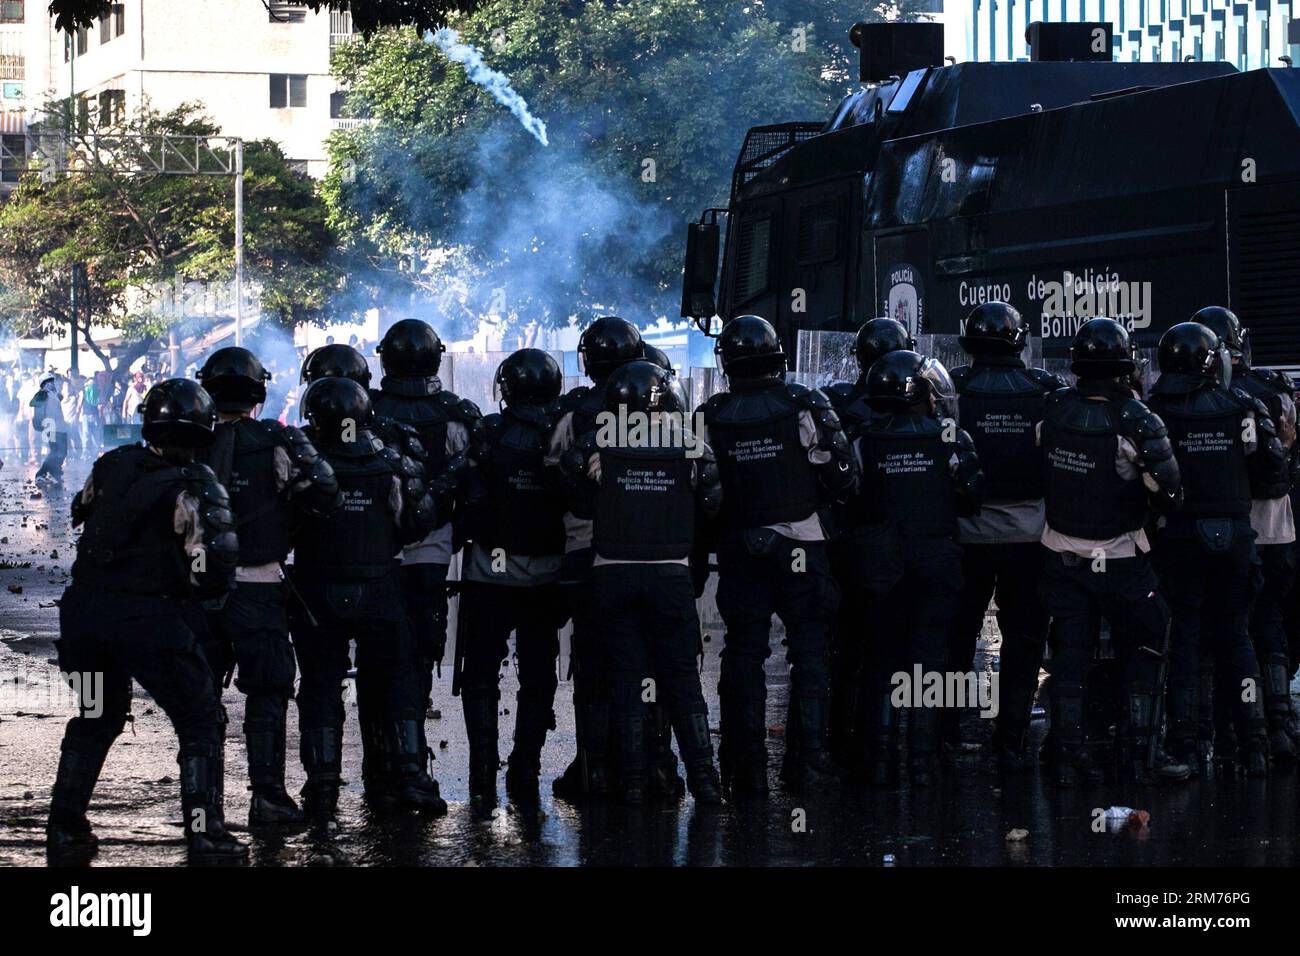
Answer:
(969, 820)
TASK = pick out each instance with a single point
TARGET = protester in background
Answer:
(134, 395)
(71, 402)
(47, 419)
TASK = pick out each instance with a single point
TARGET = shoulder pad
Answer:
(1048, 380)
(816, 398)
(493, 423)
(797, 392)
(839, 392)
(197, 471)
(391, 456)
(964, 441)
(1247, 400)
(960, 375)
(1140, 421)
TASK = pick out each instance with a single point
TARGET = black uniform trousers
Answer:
(492, 612)
(120, 637)
(1275, 578)
(426, 601)
(1010, 572)
(1211, 592)
(782, 576)
(1078, 592)
(373, 613)
(249, 633)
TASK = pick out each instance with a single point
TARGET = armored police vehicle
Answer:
(1070, 186)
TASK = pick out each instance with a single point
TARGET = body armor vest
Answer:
(1085, 495)
(524, 513)
(645, 509)
(130, 544)
(766, 476)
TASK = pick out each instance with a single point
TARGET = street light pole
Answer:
(239, 242)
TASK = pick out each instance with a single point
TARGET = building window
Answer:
(113, 22)
(337, 99)
(15, 148)
(297, 166)
(288, 90)
(119, 19)
(105, 29)
(83, 40)
(112, 107)
(752, 258)
(11, 11)
(83, 114)
(286, 11)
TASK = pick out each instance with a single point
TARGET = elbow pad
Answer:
(709, 486)
(220, 543)
(315, 489)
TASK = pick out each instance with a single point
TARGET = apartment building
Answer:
(261, 70)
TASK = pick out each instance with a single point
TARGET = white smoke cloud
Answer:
(495, 82)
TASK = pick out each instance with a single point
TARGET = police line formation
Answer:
(876, 519)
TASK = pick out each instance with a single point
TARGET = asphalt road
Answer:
(969, 820)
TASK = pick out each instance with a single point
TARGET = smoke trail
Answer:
(495, 82)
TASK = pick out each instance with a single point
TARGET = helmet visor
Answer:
(935, 374)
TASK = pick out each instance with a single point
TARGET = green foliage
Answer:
(137, 231)
(578, 226)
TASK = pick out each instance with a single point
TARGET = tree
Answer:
(647, 102)
(367, 15)
(136, 231)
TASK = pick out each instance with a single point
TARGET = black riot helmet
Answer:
(1225, 324)
(641, 386)
(994, 328)
(336, 361)
(235, 379)
(900, 379)
(1194, 349)
(608, 343)
(178, 412)
(335, 406)
(878, 337)
(657, 356)
(411, 349)
(529, 377)
(748, 347)
(1101, 350)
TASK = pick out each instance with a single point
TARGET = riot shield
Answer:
(823, 358)
(472, 375)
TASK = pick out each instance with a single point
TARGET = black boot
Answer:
(68, 835)
(697, 754)
(1071, 759)
(1011, 747)
(1252, 737)
(1147, 764)
(481, 728)
(321, 749)
(413, 788)
(271, 805)
(1183, 727)
(924, 726)
(1279, 711)
(816, 769)
(884, 757)
(534, 716)
(743, 750)
(663, 780)
(376, 761)
(629, 730)
(202, 805)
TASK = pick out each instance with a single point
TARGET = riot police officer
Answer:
(1108, 463)
(411, 392)
(781, 456)
(648, 486)
(919, 474)
(606, 344)
(343, 361)
(272, 473)
(848, 719)
(515, 517)
(1273, 521)
(877, 337)
(1226, 444)
(1000, 405)
(346, 570)
(158, 535)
